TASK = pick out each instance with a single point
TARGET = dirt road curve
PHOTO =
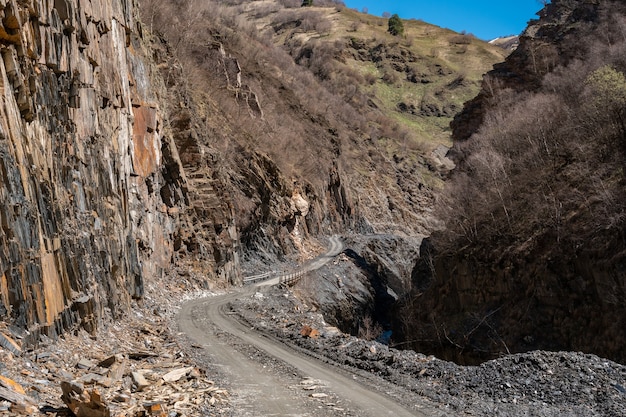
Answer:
(260, 390)
(336, 246)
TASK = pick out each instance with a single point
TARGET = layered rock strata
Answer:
(94, 194)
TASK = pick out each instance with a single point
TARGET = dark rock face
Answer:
(359, 292)
(95, 197)
(469, 310)
(544, 45)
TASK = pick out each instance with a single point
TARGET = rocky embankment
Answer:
(364, 283)
(143, 372)
(537, 383)
(134, 368)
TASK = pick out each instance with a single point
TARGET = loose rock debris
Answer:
(131, 369)
(538, 383)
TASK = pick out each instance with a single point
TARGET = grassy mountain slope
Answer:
(419, 80)
(345, 115)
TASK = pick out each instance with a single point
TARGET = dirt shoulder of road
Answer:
(536, 383)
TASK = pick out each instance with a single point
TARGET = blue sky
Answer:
(487, 19)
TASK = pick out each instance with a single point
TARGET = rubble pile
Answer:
(538, 383)
(133, 368)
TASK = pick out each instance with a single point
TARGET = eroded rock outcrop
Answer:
(553, 40)
(94, 192)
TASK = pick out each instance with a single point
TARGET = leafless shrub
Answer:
(369, 329)
(461, 39)
(310, 19)
(390, 76)
(266, 9)
(290, 4)
(544, 56)
(324, 27)
(370, 78)
(285, 16)
(354, 26)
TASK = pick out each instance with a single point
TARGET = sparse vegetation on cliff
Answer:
(535, 213)
(334, 98)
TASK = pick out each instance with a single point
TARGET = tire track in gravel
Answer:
(260, 390)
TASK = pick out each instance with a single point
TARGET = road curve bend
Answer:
(335, 248)
(258, 390)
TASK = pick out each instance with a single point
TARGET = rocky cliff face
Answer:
(96, 198)
(532, 256)
(469, 308)
(546, 43)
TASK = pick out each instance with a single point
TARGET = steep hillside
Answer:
(533, 253)
(162, 153)
(420, 79)
(348, 114)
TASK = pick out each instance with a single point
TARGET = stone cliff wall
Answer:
(530, 285)
(472, 310)
(94, 194)
(546, 43)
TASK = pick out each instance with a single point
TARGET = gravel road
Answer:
(270, 378)
(253, 339)
(334, 249)
(264, 388)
